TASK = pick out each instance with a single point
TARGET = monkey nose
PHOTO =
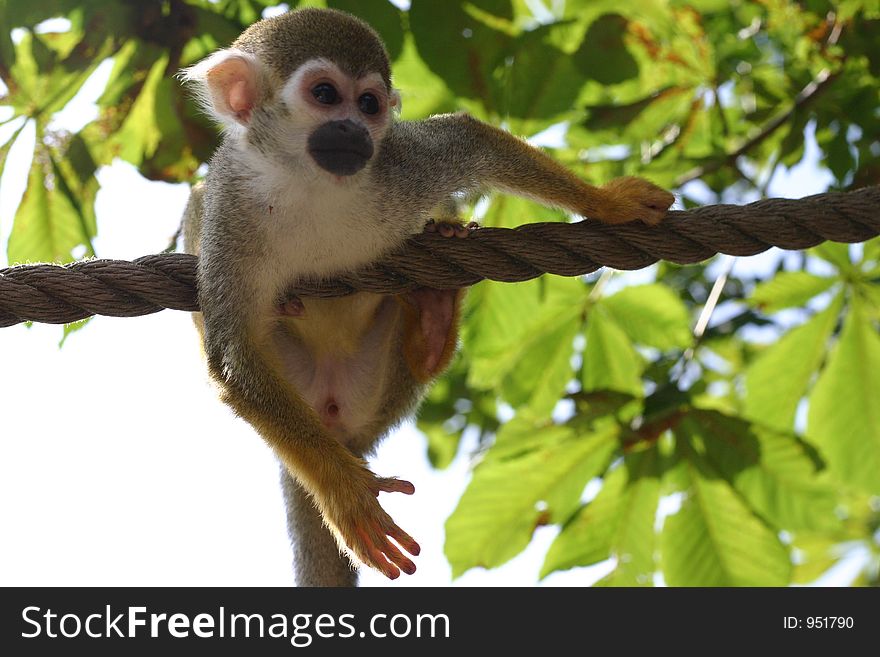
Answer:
(341, 147)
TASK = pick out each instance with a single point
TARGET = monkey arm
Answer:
(468, 154)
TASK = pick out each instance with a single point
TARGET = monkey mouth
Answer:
(341, 147)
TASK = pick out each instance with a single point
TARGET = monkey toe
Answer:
(451, 228)
(393, 485)
(405, 540)
(408, 566)
(396, 557)
(376, 558)
(376, 550)
(463, 231)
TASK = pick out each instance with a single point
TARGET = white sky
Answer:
(119, 466)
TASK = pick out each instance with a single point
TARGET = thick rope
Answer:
(59, 294)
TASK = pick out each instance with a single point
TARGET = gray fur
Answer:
(317, 560)
(286, 41)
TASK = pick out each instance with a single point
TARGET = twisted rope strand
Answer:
(58, 294)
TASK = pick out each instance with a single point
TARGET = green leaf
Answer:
(141, 132)
(835, 253)
(619, 522)
(47, 224)
(542, 81)
(159, 135)
(384, 17)
(778, 379)
(610, 360)
(506, 321)
(7, 146)
(870, 293)
(777, 473)
(512, 211)
(458, 46)
(651, 315)
(442, 444)
(502, 506)
(130, 63)
(844, 416)
(620, 116)
(816, 555)
(73, 327)
(715, 540)
(787, 290)
(540, 376)
(422, 93)
(602, 55)
(51, 68)
(871, 251)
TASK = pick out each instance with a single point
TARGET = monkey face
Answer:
(345, 114)
(326, 114)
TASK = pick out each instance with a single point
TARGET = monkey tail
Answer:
(317, 560)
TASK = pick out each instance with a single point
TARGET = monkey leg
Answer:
(345, 494)
(343, 489)
(317, 559)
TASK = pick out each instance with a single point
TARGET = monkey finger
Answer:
(393, 485)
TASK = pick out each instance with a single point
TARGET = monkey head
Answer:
(309, 88)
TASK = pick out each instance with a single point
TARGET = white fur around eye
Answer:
(290, 92)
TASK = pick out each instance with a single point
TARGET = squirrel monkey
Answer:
(315, 176)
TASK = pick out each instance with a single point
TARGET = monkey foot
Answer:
(292, 307)
(451, 228)
(370, 534)
(383, 554)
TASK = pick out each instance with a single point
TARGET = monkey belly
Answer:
(333, 398)
(335, 355)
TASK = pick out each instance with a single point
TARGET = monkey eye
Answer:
(368, 104)
(325, 93)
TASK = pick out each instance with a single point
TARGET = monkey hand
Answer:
(630, 198)
(366, 529)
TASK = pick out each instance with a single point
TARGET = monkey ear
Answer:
(229, 84)
(394, 101)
